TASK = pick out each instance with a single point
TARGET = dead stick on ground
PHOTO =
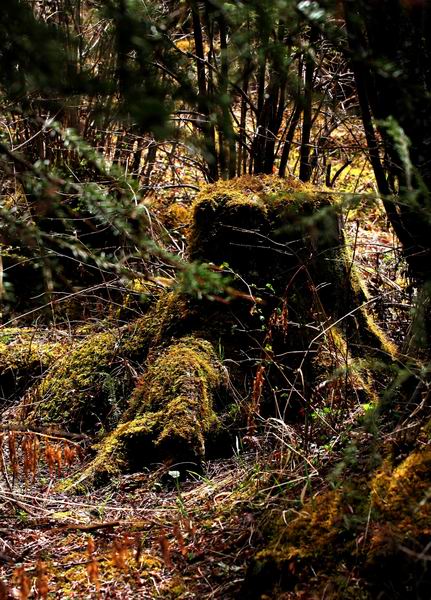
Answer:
(20, 505)
(46, 432)
(88, 526)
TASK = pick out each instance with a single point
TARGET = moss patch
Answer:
(402, 497)
(87, 388)
(71, 392)
(26, 353)
(171, 414)
(376, 531)
(234, 220)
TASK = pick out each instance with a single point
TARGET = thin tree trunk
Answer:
(289, 138)
(307, 121)
(206, 126)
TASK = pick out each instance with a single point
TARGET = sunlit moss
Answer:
(88, 387)
(378, 527)
(172, 411)
(378, 340)
(24, 354)
(69, 393)
(228, 215)
(403, 498)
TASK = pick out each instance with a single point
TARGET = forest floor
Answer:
(153, 535)
(146, 535)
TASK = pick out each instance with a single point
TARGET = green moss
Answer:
(70, 392)
(378, 529)
(402, 496)
(377, 339)
(171, 317)
(314, 533)
(176, 588)
(26, 353)
(180, 387)
(311, 546)
(112, 453)
(171, 411)
(398, 536)
(88, 387)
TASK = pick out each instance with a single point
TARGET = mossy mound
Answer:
(302, 328)
(372, 534)
(400, 533)
(71, 393)
(87, 388)
(314, 542)
(172, 411)
(286, 236)
(26, 353)
(285, 241)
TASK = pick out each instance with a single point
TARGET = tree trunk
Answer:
(390, 45)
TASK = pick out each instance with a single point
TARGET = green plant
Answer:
(180, 500)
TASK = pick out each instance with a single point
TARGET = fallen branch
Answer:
(55, 434)
(88, 526)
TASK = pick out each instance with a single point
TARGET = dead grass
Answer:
(147, 534)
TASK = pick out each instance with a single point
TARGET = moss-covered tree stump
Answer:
(296, 330)
(285, 242)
